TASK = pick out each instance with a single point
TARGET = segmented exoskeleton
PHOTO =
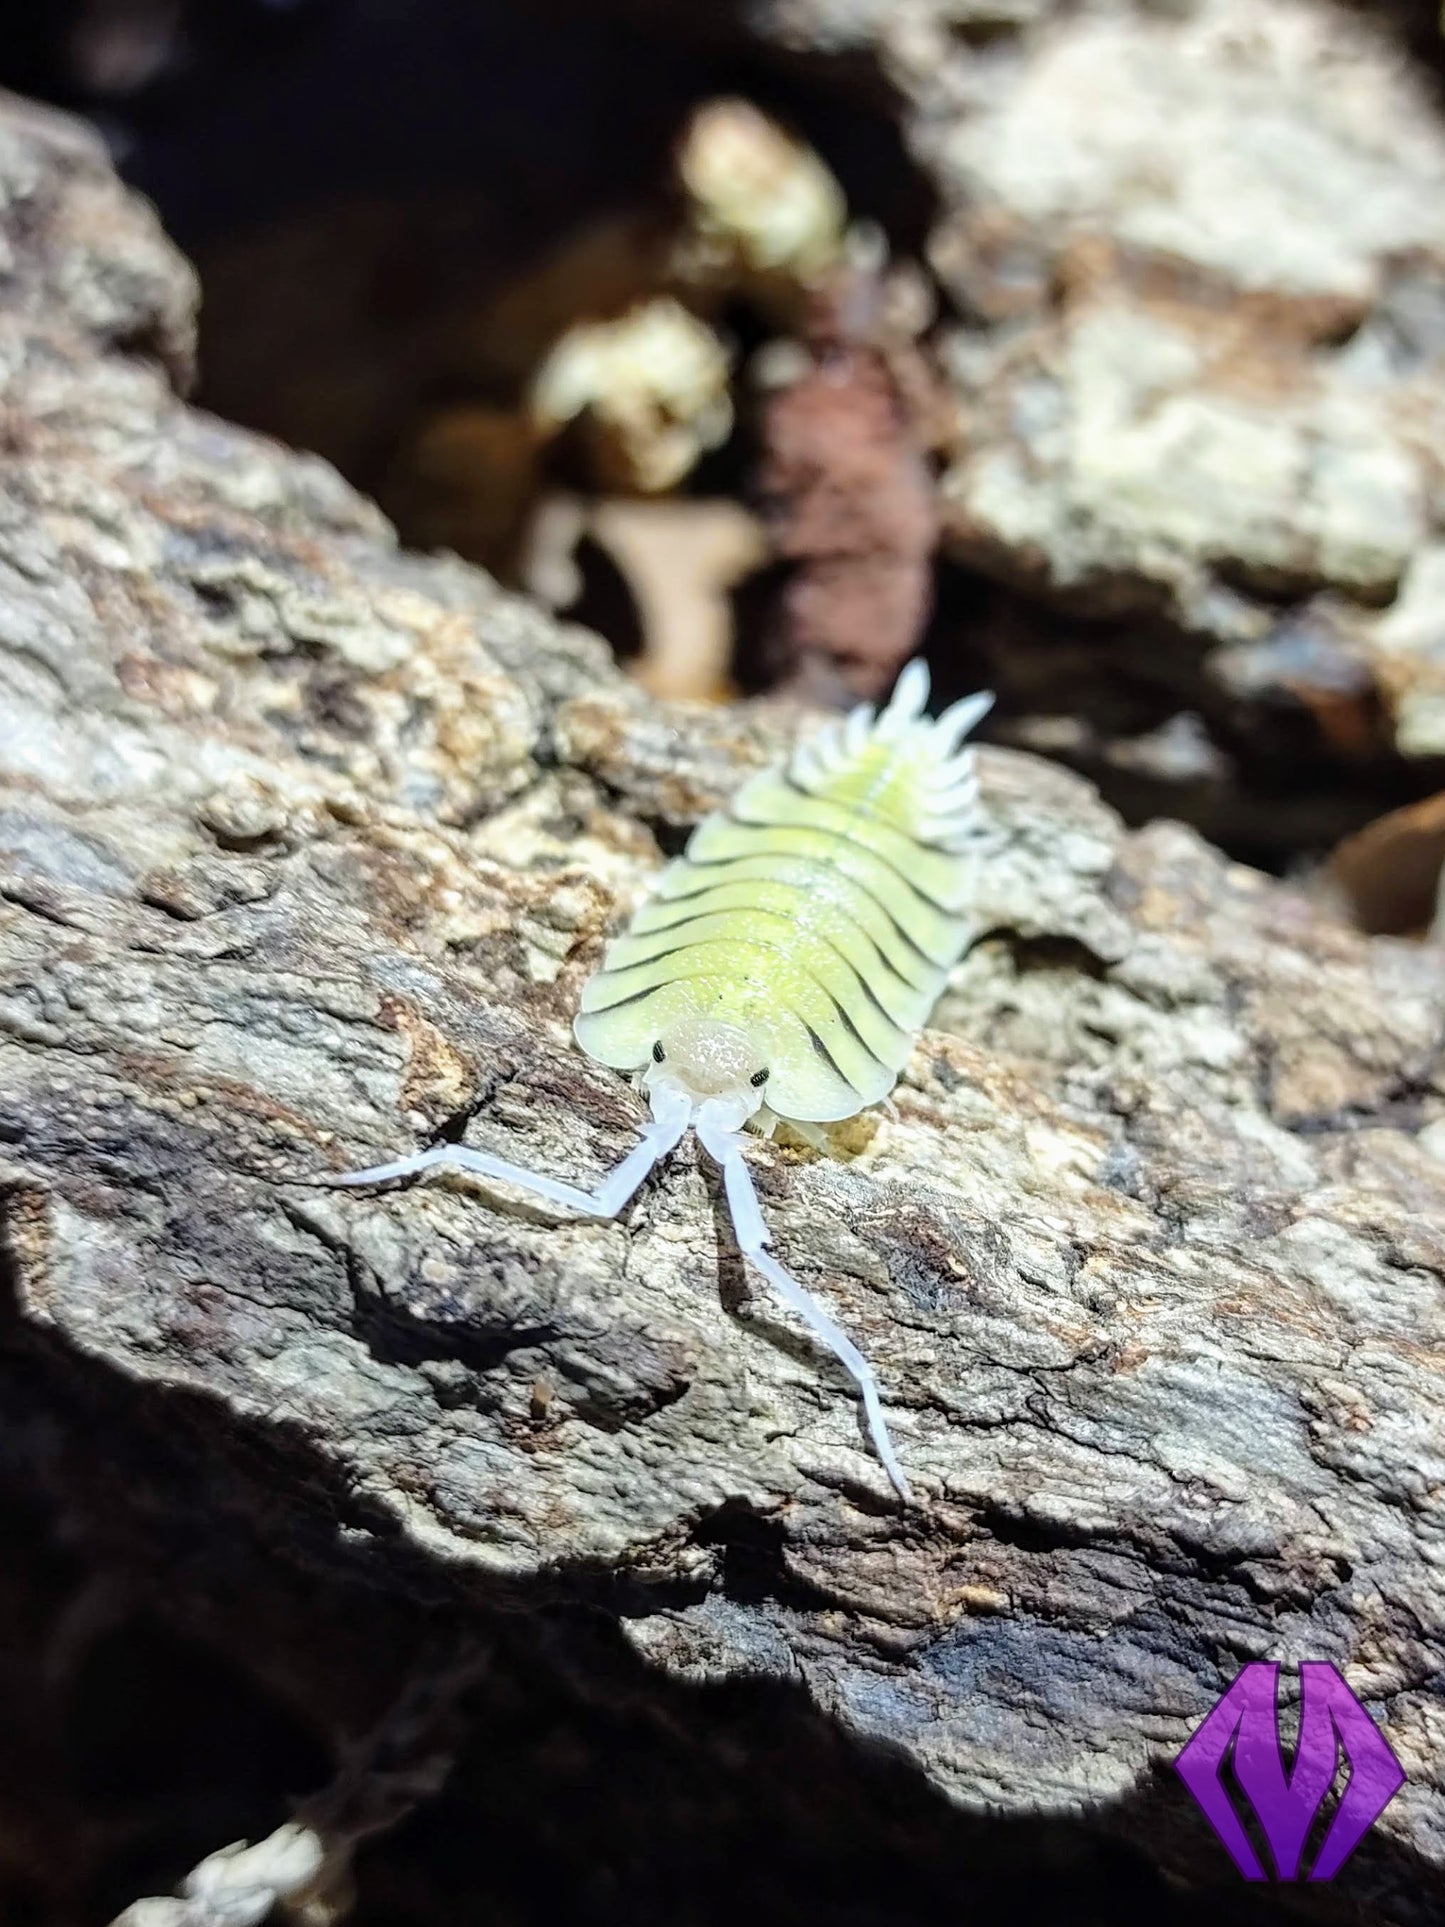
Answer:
(782, 966)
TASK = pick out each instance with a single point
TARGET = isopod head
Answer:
(705, 1058)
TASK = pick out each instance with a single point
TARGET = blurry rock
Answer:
(763, 216)
(674, 562)
(1408, 643)
(1136, 457)
(1305, 661)
(682, 559)
(1196, 256)
(1202, 253)
(848, 500)
(647, 393)
(1179, 751)
(1391, 870)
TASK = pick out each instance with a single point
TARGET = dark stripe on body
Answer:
(837, 836)
(817, 936)
(828, 1058)
(722, 862)
(859, 809)
(632, 997)
(777, 950)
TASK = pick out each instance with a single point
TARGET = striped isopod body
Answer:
(816, 918)
(781, 968)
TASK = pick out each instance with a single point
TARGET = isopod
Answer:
(781, 968)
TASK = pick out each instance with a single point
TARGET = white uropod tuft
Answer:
(781, 968)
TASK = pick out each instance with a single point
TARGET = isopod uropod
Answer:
(781, 967)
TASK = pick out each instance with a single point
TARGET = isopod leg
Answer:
(753, 1236)
(605, 1202)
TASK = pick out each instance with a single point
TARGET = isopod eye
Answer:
(759, 1077)
(657, 1053)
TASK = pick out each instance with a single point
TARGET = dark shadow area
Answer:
(1243, 750)
(197, 1624)
(585, 1785)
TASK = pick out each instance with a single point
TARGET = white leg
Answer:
(753, 1236)
(614, 1191)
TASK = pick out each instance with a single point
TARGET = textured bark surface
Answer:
(305, 847)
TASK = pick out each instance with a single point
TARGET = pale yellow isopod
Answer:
(782, 967)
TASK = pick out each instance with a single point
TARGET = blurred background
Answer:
(1091, 350)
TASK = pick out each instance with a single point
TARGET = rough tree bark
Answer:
(306, 845)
